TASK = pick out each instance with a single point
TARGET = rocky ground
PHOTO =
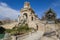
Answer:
(52, 33)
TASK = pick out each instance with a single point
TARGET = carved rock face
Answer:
(2, 30)
(50, 15)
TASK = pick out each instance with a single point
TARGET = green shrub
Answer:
(23, 28)
(20, 29)
(8, 30)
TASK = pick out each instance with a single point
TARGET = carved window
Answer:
(32, 18)
(37, 26)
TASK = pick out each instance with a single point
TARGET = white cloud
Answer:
(6, 11)
(3, 4)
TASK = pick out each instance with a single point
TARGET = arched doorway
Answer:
(25, 15)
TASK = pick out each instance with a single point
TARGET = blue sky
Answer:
(39, 6)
